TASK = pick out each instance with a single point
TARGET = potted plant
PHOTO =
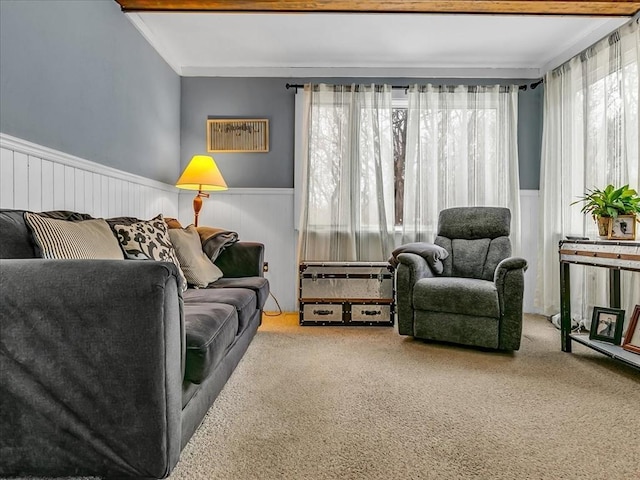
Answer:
(607, 204)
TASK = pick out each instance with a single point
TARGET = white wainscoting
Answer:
(37, 178)
(33, 177)
(266, 215)
(262, 215)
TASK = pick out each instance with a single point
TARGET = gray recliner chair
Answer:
(466, 288)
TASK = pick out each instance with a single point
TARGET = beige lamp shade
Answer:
(202, 173)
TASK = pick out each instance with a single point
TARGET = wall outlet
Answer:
(265, 267)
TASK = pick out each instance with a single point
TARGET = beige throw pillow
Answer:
(195, 264)
(62, 239)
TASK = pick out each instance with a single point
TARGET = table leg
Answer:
(614, 288)
(565, 307)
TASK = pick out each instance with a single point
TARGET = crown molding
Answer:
(591, 39)
(366, 72)
(165, 52)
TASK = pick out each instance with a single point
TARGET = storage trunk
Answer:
(346, 293)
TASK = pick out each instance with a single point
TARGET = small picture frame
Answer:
(606, 325)
(632, 338)
(236, 135)
(623, 227)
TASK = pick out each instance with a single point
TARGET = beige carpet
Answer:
(366, 403)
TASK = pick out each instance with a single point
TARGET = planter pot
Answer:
(603, 226)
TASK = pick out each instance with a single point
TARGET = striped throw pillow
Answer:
(62, 239)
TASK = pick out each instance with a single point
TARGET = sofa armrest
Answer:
(411, 268)
(242, 259)
(90, 367)
(509, 280)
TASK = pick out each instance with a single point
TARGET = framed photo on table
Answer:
(623, 227)
(606, 325)
(632, 338)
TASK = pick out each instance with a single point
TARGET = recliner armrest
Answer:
(411, 268)
(417, 265)
(509, 280)
(511, 263)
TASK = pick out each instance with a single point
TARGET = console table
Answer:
(611, 254)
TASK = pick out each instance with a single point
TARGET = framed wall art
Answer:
(632, 338)
(623, 227)
(234, 135)
(606, 325)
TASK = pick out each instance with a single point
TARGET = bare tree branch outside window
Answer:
(399, 129)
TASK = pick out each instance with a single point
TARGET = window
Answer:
(376, 163)
(590, 139)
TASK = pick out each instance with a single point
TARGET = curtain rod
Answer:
(532, 86)
(297, 86)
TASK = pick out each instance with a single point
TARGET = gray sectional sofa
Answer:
(106, 367)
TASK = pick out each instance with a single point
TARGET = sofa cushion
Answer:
(16, 240)
(148, 240)
(243, 299)
(259, 285)
(465, 296)
(198, 269)
(210, 330)
(62, 239)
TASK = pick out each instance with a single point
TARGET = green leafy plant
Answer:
(610, 202)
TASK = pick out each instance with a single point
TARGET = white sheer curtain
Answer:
(590, 139)
(462, 150)
(348, 175)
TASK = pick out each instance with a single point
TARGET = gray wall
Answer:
(268, 98)
(530, 136)
(203, 98)
(77, 76)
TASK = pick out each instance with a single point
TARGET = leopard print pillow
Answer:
(149, 240)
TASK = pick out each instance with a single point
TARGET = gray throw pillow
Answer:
(62, 239)
(195, 264)
(148, 240)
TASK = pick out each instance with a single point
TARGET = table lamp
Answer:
(202, 173)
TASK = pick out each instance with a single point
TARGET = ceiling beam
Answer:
(521, 7)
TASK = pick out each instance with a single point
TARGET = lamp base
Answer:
(197, 205)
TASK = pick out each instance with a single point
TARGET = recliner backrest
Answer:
(477, 239)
